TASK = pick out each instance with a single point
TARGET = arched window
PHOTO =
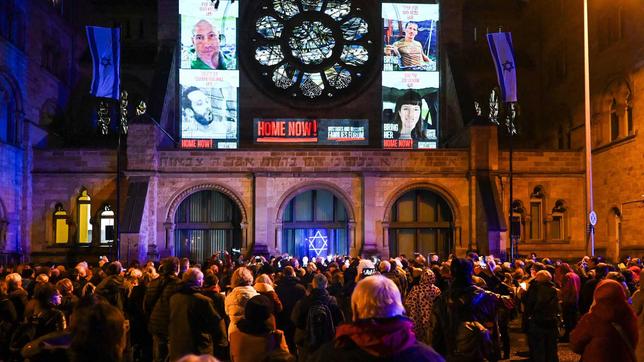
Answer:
(536, 213)
(207, 222)
(518, 220)
(421, 221)
(107, 224)
(315, 223)
(558, 223)
(7, 114)
(615, 226)
(614, 121)
(84, 207)
(61, 228)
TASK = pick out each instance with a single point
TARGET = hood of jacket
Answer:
(378, 337)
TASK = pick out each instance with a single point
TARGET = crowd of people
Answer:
(407, 308)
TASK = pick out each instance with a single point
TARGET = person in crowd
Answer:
(320, 308)
(379, 331)
(44, 318)
(257, 334)
(141, 341)
(69, 299)
(112, 288)
(570, 288)
(17, 295)
(542, 309)
(195, 358)
(419, 303)
(156, 305)
(8, 320)
(385, 269)
(463, 308)
(195, 326)
(241, 282)
(290, 291)
(638, 309)
(608, 332)
(588, 288)
(264, 286)
(98, 333)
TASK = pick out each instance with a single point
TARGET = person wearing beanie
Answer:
(257, 335)
(608, 332)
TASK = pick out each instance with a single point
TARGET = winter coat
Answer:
(378, 340)
(301, 311)
(570, 288)
(156, 303)
(542, 304)
(235, 303)
(595, 337)
(247, 347)
(194, 325)
(113, 290)
(638, 308)
(419, 303)
(267, 290)
(290, 291)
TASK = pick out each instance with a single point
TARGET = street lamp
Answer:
(592, 216)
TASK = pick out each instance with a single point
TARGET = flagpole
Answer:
(589, 167)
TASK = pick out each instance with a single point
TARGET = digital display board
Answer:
(208, 74)
(312, 131)
(410, 76)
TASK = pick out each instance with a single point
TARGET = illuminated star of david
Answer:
(316, 237)
(508, 66)
(106, 61)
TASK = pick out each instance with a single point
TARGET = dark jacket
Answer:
(542, 304)
(301, 311)
(193, 324)
(19, 299)
(290, 291)
(380, 340)
(463, 304)
(113, 290)
(156, 303)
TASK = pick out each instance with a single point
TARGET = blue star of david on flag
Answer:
(505, 64)
(104, 44)
(318, 243)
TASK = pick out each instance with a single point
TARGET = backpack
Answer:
(473, 340)
(319, 325)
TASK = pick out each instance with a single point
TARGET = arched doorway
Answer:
(315, 223)
(421, 221)
(207, 222)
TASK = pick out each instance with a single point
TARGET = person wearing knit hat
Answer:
(256, 333)
(608, 332)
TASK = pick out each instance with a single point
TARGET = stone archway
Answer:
(169, 223)
(442, 193)
(301, 188)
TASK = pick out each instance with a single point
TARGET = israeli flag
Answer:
(106, 54)
(506, 70)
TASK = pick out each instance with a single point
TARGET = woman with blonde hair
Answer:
(379, 329)
(241, 282)
(264, 286)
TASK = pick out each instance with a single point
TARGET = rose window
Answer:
(312, 49)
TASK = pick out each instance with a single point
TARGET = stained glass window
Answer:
(312, 48)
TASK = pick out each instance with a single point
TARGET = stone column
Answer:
(353, 250)
(278, 237)
(169, 239)
(244, 236)
(385, 237)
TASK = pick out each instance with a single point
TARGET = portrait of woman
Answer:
(409, 108)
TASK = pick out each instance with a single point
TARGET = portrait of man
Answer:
(206, 47)
(205, 115)
(410, 51)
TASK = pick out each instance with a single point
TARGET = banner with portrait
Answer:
(410, 76)
(208, 75)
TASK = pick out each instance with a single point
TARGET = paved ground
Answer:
(519, 344)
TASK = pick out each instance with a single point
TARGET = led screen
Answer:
(410, 76)
(208, 74)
